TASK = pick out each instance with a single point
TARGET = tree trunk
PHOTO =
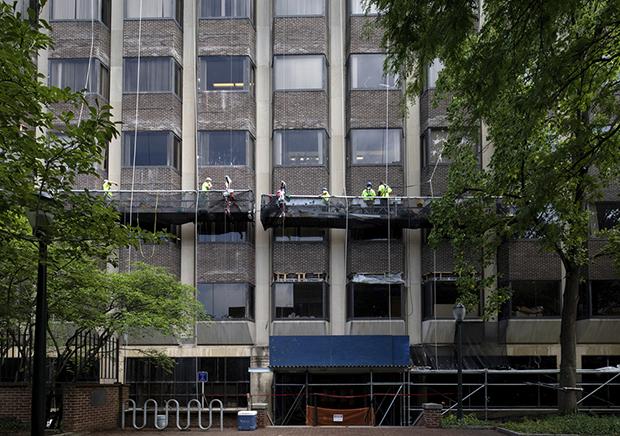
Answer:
(567, 400)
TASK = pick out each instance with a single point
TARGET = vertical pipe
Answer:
(39, 379)
(486, 391)
(459, 359)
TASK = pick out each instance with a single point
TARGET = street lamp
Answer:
(459, 315)
(40, 220)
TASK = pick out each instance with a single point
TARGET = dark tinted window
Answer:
(157, 74)
(300, 300)
(605, 297)
(226, 300)
(374, 301)
(219, 231)
(225, 73)
(226, 147)
(299, 147)
(607, 214)
(375, 146)
(299, 234)
(535, 298)
(154, 149)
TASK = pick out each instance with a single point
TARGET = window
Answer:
(607, 214)
(218, 231)
(154, 149)
(366, 72)
(432, 74)
(433, 143)
(225, 73)
(289, 8)
(605, 297)
(535, 298)
(374, 234)
(369, 146)
(154, 9)
(299, 234)
(300, 300)
(306, 72)
(72, 73)
(375, 301)
(226, 8)
(358, 8)
(157, 74)
(227, 147)
(439, 298)
(227, 300)
(299, 147)
(81, 10)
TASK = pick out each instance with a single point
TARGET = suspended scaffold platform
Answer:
(181, 207)
(339, 212)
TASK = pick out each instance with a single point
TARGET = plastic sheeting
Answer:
(379, 279)
(345, 212)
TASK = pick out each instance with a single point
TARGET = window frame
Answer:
(249, 300)
(277, 15)
(324, 72)
(173, 155)
(278, 148)
(324, 301)
(279, 238)
(509, 307)
(98, 66)
(176, 75)
(250, 142)
(104, 8)
(250, 16)
(249, 71)
(178, 14)
(352, 9)
(210, 238)
(390, 288)
(425, 139)
(352, 161)
(391, 78)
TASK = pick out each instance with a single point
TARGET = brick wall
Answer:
(156, 111)
(367, 109)
(438, 176)
(433, 111)
(300, 110)
(601, 267)
(225, 262)
(92, 182)
(441, 261)
(15, 401)
(301, 180)
(158, 38)
(358, 176)
(242, 177)
(526, 260)
(226, 37)
(92, 407)
(364, 35)
(292, 257)
(72, 39)
(227, 110)
(372, 256)
(167, 255)
(300, 35)
(151, 178)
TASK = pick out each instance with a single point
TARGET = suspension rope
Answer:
(90, 56)
(135, 131)
(389, 234)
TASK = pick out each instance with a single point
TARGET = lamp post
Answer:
(459, 315)
(40, 222)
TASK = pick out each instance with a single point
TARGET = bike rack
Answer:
(177, 413)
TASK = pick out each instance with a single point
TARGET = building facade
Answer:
(265, 91)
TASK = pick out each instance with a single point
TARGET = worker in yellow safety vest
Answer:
(384, 189)
(107, 187)
(369, 194)
(207, 184)
(325, 195)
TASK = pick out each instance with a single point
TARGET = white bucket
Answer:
(161, 421)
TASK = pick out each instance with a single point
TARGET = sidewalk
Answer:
(322, 431)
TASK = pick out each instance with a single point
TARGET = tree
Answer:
(544, 78)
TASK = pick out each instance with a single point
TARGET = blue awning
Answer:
(338, 351)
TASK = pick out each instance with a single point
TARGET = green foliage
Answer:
(569, 424)
(468, 420)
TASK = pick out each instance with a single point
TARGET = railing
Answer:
(160, 422)
(344, 211)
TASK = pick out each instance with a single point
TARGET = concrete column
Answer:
(263, 169)
(337, 160)
(188, 154)
(116, 88)
(413, 238)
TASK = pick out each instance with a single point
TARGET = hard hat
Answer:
(369, 183)
(208, 179)
(324, 189)
(106, 181)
